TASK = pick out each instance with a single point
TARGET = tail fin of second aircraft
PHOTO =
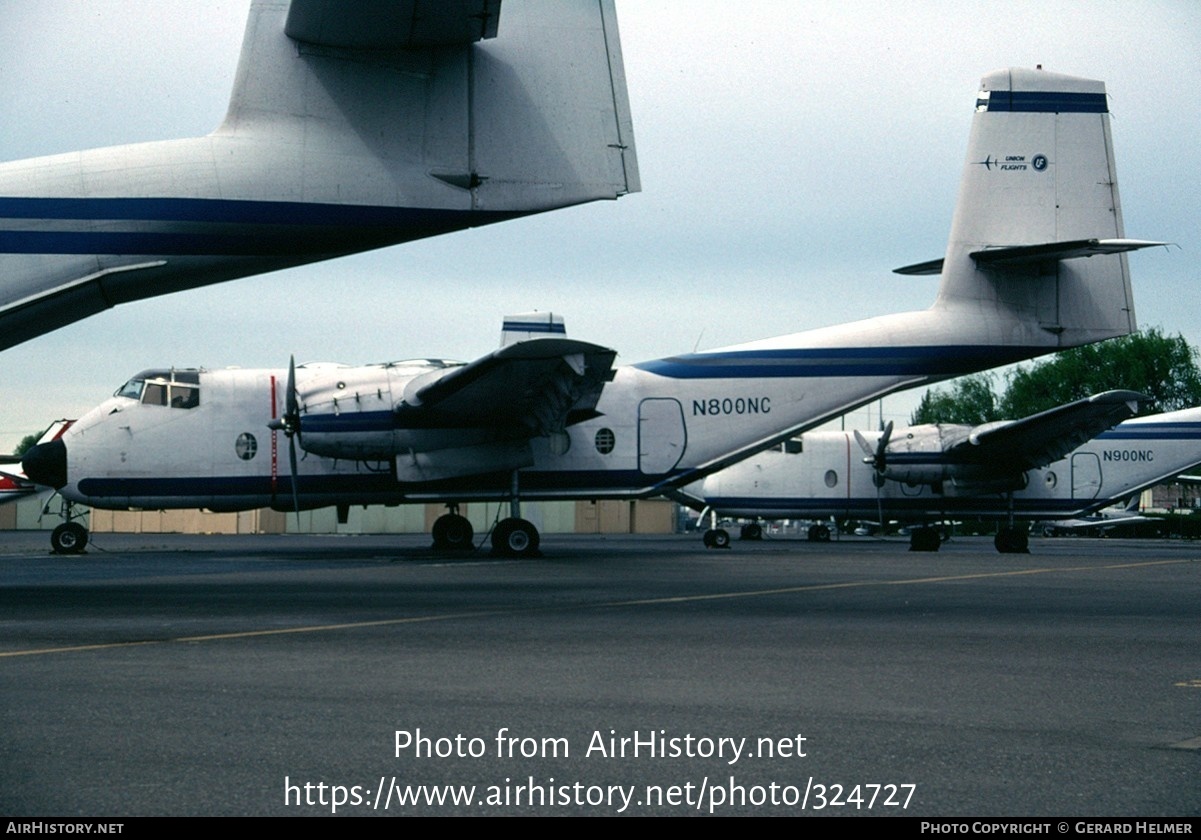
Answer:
(1037, 231)
(454, 104)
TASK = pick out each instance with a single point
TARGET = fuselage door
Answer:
(661, 435)
(1086, 475)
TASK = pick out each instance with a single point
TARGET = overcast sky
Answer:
(792, 154)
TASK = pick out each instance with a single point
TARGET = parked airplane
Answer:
(1035, 263)
(1043, 467)
(351, 126)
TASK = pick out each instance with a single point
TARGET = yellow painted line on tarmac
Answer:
(753, 593)
(638, 602)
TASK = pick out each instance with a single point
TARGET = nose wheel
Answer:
(69, 538)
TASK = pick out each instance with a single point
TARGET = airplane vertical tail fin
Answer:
(1037, 232)
(439, 104)
(530, 325)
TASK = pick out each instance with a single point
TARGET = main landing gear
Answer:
(751, 531)
(512, 536)
(715, 537)
(452, 531)
(925, 538)
(1012, 540)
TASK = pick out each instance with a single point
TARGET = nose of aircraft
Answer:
(46, 463)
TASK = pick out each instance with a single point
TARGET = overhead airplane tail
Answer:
(1037, 232)
(351, 126)
(454, 103)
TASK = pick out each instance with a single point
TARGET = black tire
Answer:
(452, 532)
(822, 533)
(925, 539)
(1012, 541)
(514, 537)
(707, 538)
(720, 538)
(751, 531)
(69, 538)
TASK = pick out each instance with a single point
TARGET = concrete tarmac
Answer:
(173, 675)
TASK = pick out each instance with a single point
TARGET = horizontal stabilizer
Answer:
(1036, 254)
(928, 267)
(1055, 251)
(391, 24)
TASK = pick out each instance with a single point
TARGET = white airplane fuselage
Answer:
(829, 477)
(660, 424)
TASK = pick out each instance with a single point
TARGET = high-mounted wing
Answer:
(532, 389)
(1042, 438)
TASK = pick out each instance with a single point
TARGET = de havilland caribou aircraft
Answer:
(351, 126)
(1035, 263)
(1062, 463)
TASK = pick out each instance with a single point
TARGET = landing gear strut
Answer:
(1011, 539)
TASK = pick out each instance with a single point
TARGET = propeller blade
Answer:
(865, 446)
(882, 448)
(295, 479)
(292, 407)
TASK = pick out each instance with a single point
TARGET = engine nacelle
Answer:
(350, 412)
(925, 455)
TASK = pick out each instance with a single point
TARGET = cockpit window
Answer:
(171, 388)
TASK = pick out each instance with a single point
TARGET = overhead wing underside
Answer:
(352, 125)
(392, 24)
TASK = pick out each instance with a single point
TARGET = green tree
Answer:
(971, 400)
(25, 444)
(1162, 367)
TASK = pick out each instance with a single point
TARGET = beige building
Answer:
(602, 517)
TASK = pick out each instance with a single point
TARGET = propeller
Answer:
(877, 458)
(289, 424)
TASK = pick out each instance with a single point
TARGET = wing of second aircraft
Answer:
(1042, 438)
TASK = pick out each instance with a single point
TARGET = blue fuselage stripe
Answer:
(935, 360)
(533, 484)
(1047, 101)
(176, 226)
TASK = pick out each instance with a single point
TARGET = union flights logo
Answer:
(1014, 163)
